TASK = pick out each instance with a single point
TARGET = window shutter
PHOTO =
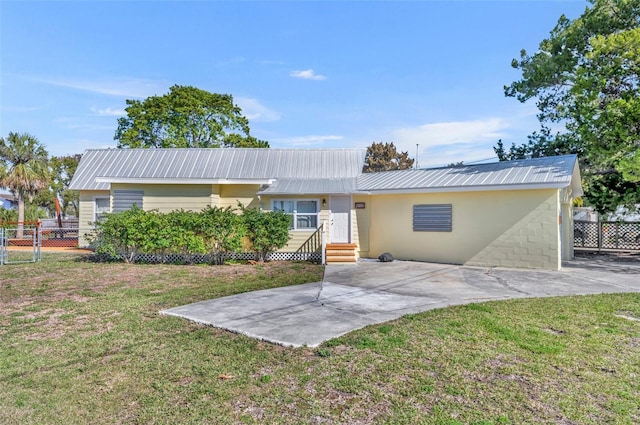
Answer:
(124, 199)
(432, 218)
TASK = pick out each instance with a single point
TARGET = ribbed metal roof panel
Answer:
(310, 186)
(202, 164)
(555, 170)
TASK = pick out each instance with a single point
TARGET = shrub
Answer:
(267, 230)
(182, 234)
(222, 231)
(122, 234)
(216, 231)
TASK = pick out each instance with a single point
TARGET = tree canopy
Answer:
(23, 167)
(64, 167)
(186, 117)
(385, 157)
(61, 170)
(585, 77)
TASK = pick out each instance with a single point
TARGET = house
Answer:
(8, 201)
(513, 214)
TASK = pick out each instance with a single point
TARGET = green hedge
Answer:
(213, 231)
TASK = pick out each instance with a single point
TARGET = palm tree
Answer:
(23, 168)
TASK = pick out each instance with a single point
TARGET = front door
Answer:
(340, 219)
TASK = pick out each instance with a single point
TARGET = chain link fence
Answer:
(20, 244)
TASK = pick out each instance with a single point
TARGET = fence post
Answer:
(599, 235)
(39, 257)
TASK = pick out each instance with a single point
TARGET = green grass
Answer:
(82, 342)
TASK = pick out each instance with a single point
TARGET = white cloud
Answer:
(121, 87)
(75, 123)
(109, 112)
(450, 154)
(22, 109)
(448, 142)
(307, 74)
(256, 111)
(447, 133)
(309, 140)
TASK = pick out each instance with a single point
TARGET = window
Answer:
(100, 208)
(303, 212)
(125, 199)
(432, 218)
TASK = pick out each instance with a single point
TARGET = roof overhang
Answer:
(264, 193)
(483, 188)
(156, 180)
(288, 186)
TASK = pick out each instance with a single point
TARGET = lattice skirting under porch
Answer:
(206, 258)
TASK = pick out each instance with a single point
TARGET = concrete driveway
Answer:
(354, 296)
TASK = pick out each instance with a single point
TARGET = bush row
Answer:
(214, 231)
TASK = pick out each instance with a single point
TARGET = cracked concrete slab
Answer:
(369, 292)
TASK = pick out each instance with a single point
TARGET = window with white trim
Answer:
(303, 212)
(101, 206)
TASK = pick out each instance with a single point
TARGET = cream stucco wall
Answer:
(170, 197)
(231, 194)
(491, 228)
(361, 224)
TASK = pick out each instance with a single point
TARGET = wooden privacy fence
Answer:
(615, 235)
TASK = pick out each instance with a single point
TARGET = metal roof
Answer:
(310, 186)
(312, 171)
(547, 172)
(98, 168)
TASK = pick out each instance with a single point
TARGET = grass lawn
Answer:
(82, 343)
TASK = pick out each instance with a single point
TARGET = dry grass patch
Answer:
(82, 342)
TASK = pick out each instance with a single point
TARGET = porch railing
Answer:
(314, 248)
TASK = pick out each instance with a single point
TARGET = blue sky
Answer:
(306, 74)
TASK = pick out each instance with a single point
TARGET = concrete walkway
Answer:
(354, 296)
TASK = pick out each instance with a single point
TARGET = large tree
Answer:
(385, 157)
(23, 168)
(186, 117)
(585, 77)
(61, 169)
